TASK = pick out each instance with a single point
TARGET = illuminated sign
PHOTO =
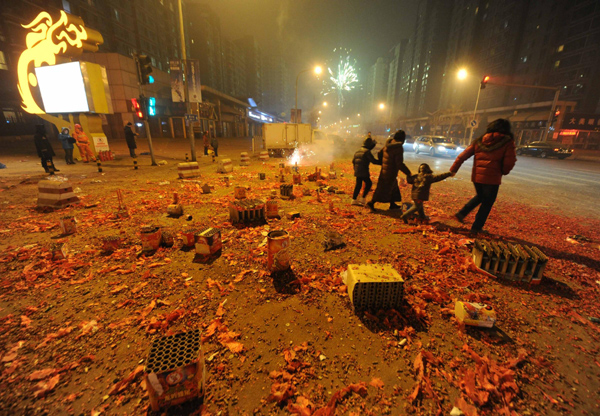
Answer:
(47, 40)
(568, 132)
(260, 116)
(62, 88)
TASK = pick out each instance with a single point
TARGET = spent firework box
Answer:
(175, 370)
(475, 314)
(208, 241)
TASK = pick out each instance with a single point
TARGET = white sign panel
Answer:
(62, 88)
(100, 143)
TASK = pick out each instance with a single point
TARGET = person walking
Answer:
(392, 161)
(67, 143)
(495, 156)
(421, 186)
(206, 142)
(44, 149)
(83, 144)
(361, 161)
(214, 143)
(130, 139)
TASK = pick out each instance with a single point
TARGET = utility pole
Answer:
(189, 129)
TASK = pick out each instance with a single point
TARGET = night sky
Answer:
(309, 30)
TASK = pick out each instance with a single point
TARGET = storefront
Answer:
(580, 131)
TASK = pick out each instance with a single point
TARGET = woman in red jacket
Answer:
(495, 156)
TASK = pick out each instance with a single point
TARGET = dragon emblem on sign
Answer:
(50, 42)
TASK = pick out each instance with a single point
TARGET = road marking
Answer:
(557, 177)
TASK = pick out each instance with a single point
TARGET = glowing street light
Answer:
(317, 70)
(462, 74)
(324, 103)
(381, 106)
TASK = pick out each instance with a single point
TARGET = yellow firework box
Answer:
(475, 314)
(188, 170)
(374, 286)
(225, 166)
(244, 159)
(55, 194)
(278, 251)
(175, 371)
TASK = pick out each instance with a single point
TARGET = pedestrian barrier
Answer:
(225, 166)
(188, 170)
(510, 261)
(55, 194)
(374, 286)
(175, 371)
(263, 155)
(245, 159)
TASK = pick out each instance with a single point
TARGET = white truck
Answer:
(282, 138)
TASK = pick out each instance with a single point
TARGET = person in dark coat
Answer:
(44, 149)
(392, 161)
(362, 159)
(130, 139)
(67, 143)
(495, 156)
(206, 142)
(214, 143)
(421, 186)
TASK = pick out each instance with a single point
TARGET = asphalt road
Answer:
(570, 186)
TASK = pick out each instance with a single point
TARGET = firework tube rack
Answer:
(175, 371)
(510, 261)
(247, 210)
(374, 286)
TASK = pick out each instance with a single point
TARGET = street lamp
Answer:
(462, 74)
(317, 71)
(324, 103)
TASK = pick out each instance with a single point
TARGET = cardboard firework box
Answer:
(208, 243)
(374, 286)
(247, 210)
(175, 371)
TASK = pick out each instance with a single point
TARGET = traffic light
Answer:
(151, 106)
(137, 108)
(145, 69)
(556, 114)
(484, 81)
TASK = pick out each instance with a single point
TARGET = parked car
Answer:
(436, 146)
(544, 150)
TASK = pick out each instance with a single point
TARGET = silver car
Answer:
(436, 146)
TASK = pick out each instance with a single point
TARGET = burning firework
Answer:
(343, 78)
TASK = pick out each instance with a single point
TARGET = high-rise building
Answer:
(377, 86)
(205, 43)
(426, 58)
(397, 54)
(276, 85)
(254, 67)
(234, 65)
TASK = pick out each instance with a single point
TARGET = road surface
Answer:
(571, 186)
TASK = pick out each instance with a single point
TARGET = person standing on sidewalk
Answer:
(392, 161)
(44, 148)
(67, 143)
(214, 143)
(495, 156)
(206, 142)
(361, 161)
(83, 143)
(130, 139)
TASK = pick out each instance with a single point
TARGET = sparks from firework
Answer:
(341, 79)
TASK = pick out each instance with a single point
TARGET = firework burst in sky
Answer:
(341, 75)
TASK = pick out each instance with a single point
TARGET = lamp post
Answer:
(317, 70)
